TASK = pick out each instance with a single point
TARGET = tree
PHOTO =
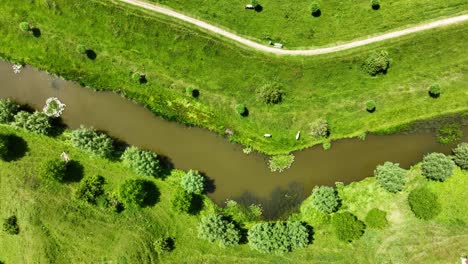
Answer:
(437, 166)
(461, 155)
(370, 106)
(241, 110)
(24, 26)
(270, 93)
(315, 9)
(347, 226)
(435, 90)
(325, 199)
(390, 176)
(143, 162)
(10, 225)
(280, 163)
(81, 49)
(216, 228)
(90, 188)
(377, 62)
(52, 170)
(376, 218)
(320, 128)
(89, 140)
(133, 192)
(8, 110)
(37, 122)
(424, 203)
(182, 201)
(278, 237)
(193, 182)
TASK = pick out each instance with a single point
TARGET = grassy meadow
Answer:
(175, 56)
(55, 227)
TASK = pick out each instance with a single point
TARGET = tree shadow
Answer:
(152, 194)
(258, 8)
(310, 231)
(317, 13)
(376, 6)
(371, 110)
(17, 148)
(58, 127)
(166, 166)
(142, 79)
(435, 96)
(75, 171)
(91, 54)
(245, 113)
(210, 185)
(36, 32)
(196, 205)
(195, 93)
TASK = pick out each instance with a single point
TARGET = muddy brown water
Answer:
(244, 178)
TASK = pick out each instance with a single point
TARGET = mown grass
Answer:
(291, 22)
(175, 56)
(57, 228)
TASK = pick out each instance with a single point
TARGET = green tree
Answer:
(435, 90)
(89, 140)
(24, 26)
(216, 228)
(37, 122)
(376, 218)
(325, 199)
(10, 225)
(371, 106)
(8, 110)
(193, 182)
(320, 128)
(182, 201)
(377, 62)
(270, 93)
(390, 176)
(461, 155)
(347, 226)
(315, 9)
(81, 49)
(90, 188)
(133, 192)
(52, 170)
(278, 237)
(437, 166)
(143, 162)
(241, 110)
(424, 203)
(375, 4)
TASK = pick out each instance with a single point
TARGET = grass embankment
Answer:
(57, 228)
(174, 57)
(292, 24)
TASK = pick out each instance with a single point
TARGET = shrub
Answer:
(241, 110)
(53, 107)
(347, 226)
(270, 94)
(24, 26)
(89, 140)
(377, 62)
(449, 134)
(182, 201)
(10, 225)
(390, 176)
(278, 237)
(280, 163)
(315, 9)
(36, 122)
(320, 128)
(193, 182)
(326, 145)
(254, 3)
(376, 218)
(242, 213)
(143, 162)
(90, 188)
(52, 170)
(325, 199)
(216, 228)
(437, 166)
(370, 106)
(435, 90)
(424, 203)
(81, 49)
(8, 110)
(4, 147)
(133, 192)
(375, 4)
(461, 155)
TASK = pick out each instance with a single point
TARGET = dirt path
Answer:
(307, 52)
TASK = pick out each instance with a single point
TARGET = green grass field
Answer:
(292, 24)
(175, 56)
(56, 228)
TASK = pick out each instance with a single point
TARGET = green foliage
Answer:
(24, 26)
(133, 192)
(270, 93)
(319, 128)
(216, 228)
(89, 140)
(254, 3)
(315, 9)
(143, 162)
(449, 134)
(362, 136)
(193, 182)
(241, 109)
(280, 163)
(90, 188)
(390, 176)
(81, 49)
(376, 218)
(437, 166)
(10, 225)
(326, 145)
(241, 213)
(8, 110)
(325, 199)
(347, 226)
(435, 90)
(461, 155)
(377, 62)
(182, 201)
(52, 170)
(37, 122)
(375, 4)
(424, 203)
(278, 237)
(370, 106)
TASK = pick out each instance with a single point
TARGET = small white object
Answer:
(267, 135)
(278, 45)
(64, 156)
(249, 7)
(57, 112)
(17, 68)
(298, 135)
(464, 260)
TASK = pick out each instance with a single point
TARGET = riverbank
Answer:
(174, 57)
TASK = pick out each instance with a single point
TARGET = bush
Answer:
(8, 110)
(216, 228)
(435, 90)
(320, 128)
(241, 110)
(4, 147)
(370, 106)
(278, 237)
(242, 213)
(347, 226)
(270, 94)
(53, 107)
(10, 225)
(133, 192)
(182, 201)
(52, 170)
(376, 218)
(81, 49)
(193, 182)
(24, 26)
(315, 9)
(90, 188)
(143, 162)
(37, 122)
(390, 176)
(461, 155)
(326, 145)
(375, 4)
(254, 3)
(424, 203)
(377, 62)
(89, 140)
(325, 199)
(437, 166)
(280, 163)
(449, 134)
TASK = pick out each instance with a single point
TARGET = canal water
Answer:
(244, 178)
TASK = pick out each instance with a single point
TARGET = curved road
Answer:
(307, 52)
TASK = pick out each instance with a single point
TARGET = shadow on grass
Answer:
(75, 172)
(17, 148)
(152, 194)
(166, 166)
(91, 54)
(196, 204)
(258, 8)
(36, 32)
(317, 13)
